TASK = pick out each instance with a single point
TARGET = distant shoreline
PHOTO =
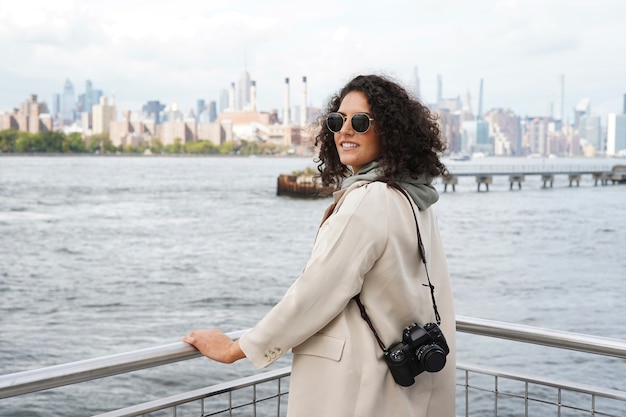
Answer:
(131, 155)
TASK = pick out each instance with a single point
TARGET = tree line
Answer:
(14, 141)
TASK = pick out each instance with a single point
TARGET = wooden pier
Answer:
(308, 185)
(517, 175)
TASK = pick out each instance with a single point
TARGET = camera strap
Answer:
(422, 252)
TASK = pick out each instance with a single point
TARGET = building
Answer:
(223, 101)
(86, 123)
(243, 93)
(68, 103)
(416, 83)
(152, 110)
(505, 130)
(582, 109)
(89, 98)
(56, 106)
(475, 137)
(132, 130)
(32, 116)
(616, 134)
(185, 130)
(535, 135)
(450, 129)
(200, 108)
(590, 130)
(103, 114)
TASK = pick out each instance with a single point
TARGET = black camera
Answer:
(421, 349)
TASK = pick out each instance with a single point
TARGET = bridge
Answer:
(517, 174)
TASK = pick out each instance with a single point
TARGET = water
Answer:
(102, 255)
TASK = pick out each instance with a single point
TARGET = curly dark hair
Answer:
(408, 132)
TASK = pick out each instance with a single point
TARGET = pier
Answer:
(516, 175)
(309, 186)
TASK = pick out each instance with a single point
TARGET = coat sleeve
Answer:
(347, 246)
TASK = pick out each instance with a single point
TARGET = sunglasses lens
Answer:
(334, 121)
(360, 122)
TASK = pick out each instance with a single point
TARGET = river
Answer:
(103, 255)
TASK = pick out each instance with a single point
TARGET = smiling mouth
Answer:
(349, 145)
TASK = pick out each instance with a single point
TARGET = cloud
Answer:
(188, 49)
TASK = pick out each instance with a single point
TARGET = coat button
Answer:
(267, 357)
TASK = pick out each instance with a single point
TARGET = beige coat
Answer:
(367, 245)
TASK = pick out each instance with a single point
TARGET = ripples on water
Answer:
(112, 254)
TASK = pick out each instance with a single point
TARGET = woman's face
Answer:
(356, 149)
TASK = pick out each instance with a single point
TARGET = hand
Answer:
(216, 345)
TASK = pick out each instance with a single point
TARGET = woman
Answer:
(373, 136)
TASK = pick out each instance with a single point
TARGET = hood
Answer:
(420, 189)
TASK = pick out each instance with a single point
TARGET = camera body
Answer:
(421, 349)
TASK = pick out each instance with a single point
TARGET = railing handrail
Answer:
(74, 372)
(541, 336)
(86, 370)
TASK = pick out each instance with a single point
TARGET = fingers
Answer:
(189, 339)
(213, 344)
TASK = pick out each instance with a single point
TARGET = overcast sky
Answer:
(183, 50)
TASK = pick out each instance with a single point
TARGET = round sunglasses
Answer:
(361, 122)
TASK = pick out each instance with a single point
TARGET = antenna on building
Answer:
(560, 106)
(439, 89)
(303, 109)
(286, 120)
(479, 116)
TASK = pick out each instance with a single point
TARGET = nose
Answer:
(346, 129)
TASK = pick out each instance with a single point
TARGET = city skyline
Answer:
(194, 51)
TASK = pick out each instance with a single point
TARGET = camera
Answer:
(421, 349)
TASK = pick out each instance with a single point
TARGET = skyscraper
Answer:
(616, 134)
(68, 103)
(199, 108)
(439, 89)
(212, 111)
(56, 106)
(223, 100)
(416, 82)
(152, 110)
(479, 116)
(89, 97)
(590, 129)
(244, 91)
(103, 114)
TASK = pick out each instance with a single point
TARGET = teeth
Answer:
(349, 145)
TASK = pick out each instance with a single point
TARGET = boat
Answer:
(481, 389)
(302, 184)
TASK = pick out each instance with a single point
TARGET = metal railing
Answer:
(71, 373)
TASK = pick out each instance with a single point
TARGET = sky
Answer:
(184, 50)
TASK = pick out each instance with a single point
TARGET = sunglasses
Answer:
(361, 122)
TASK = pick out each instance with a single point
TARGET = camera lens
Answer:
(431, 357)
